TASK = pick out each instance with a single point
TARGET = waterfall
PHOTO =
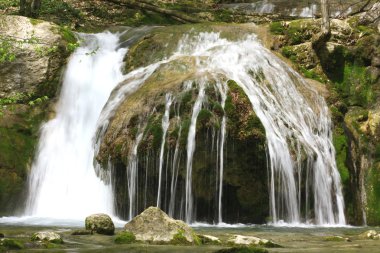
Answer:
(165, 125)
(190, 152)
(296, 126)
(63, 182)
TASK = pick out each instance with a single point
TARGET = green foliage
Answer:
(288, 52)
(4, 4)
(204, 117)
(38, 101)
(341, 148)
(7, 53)
(60, 9)
(179, 238)
(243, 250)
(276, 28)
(377, 153)
(373, 196)
(11, 244)
(125, 237)
(223, 15)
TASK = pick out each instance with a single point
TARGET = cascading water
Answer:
(63, 183)
(303, 173)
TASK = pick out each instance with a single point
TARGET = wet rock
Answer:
(154, 225)
(100, 223)
(337, 238)
(370, 234)
(47, 237)
(251, 241)
(82, 232)
(209, 239)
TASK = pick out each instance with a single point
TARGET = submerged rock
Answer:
(242, 250)
(100, 223)
(82, 232)
(47, 237)
(251, 241)
(153, 225)
(370, 234)
(209, 239)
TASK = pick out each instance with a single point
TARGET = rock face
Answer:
(156, 226)
(100, 223)
(370, 234)
(47, 237)
(34, 54)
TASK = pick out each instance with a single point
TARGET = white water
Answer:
(190, 152)
(165, 126)
(222, 87)
(63, 183)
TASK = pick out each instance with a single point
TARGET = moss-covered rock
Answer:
(125, 237)
(51, 237)
(153, 225)
(100, 223)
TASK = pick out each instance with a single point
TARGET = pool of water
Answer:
(293, 239)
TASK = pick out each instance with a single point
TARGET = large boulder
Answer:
(154, 225)
(100, 223)
(47, 237)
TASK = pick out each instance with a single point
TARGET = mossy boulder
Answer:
(154, 225)
(100, 223)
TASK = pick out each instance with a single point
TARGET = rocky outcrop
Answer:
(153, 225)
(47, 237)
(100, 223)
(32, 55)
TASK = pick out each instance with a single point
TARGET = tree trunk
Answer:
(322, 37)
(30, 8)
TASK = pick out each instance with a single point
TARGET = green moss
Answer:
(377, 153)
(373, 196)
(341, 148)
(35, 21)
(67, 34)
(125, 237)
(180, 239)
(288, 52)
(243, 250)
(11, 244)
(204, 117)
(276, 28)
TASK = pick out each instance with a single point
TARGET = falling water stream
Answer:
(64, 182)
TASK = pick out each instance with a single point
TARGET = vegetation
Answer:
(125, 237)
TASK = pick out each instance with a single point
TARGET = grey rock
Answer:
(100, 223)
(154, 225)
(375, 61)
